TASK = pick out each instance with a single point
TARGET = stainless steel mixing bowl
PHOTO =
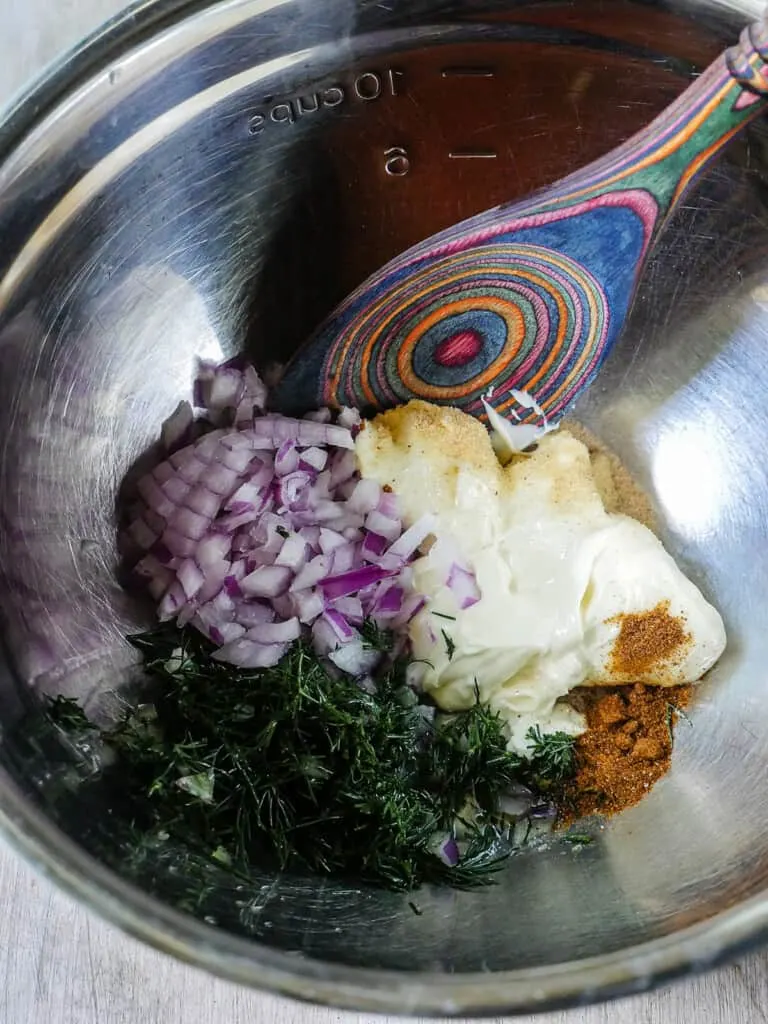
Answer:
(200, 178)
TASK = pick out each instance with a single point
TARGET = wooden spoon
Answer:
(530, 295)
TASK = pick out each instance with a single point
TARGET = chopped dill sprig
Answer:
(450, 646)
(578, 839)
(553, 755)
(674, 712)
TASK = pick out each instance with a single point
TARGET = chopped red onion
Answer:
(377, 522)
(314, 458)
(251, 613)
(344, 632)
(293, 553)
(365, 497)
(355, 658)
(245, 653)
(351, 608)
(175, 489)
(314, 571)
(410, 541)
(189, 576)
(390, 601)
(353, 581)
(349, 418)
(276, 632)
(448, 851)
(267, 581)
(464, 586)
(261, 530)
(307, 605)
(286, 458)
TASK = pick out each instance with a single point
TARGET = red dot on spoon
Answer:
(459, 349)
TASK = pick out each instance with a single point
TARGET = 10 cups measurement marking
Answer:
(366, 87)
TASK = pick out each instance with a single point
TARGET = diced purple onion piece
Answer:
(245, 653)
(448, 851)
(199, 499)
(349, 418)
(324, 639)
(276, 632)
(329, 540)
(389, 505)
(355, 658)
(153, 495)
(344, 632)
(412, 605)
(293, 553)
(212, 550)
(307, 605)
(351, 608)
(373, 546)
(175, 489)
(377, 522)
(389, 601)
(189, 524)
(345, 559)
(463, 585)
(351, 582)
(343, 468)
(236, 459)
(315, 570)
(286, 458)
(410, 541)
(365, 497)
(267, 581)
(178, 544)
(314, 458)
(173, 601)
(253, 613)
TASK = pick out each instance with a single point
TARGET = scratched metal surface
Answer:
(61, 964)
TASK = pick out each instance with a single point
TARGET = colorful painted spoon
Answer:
(530, 295)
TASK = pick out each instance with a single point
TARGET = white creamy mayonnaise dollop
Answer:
(555, 571)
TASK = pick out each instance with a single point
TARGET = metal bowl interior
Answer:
(212, 178)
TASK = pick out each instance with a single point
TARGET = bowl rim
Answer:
(633, 970)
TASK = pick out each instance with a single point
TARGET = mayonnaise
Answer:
(557, 574)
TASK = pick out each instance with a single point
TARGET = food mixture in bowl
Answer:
(395, 648)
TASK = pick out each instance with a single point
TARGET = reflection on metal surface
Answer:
(691, 471)
(147, 221)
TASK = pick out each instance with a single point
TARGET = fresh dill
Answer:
(674, 712)
(553, 755)
(442, 615)
(292, 767)
(450, 646)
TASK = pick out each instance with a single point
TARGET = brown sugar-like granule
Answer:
(618, 488)
(647, 641)
(625, 750)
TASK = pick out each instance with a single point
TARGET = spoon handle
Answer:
(529, 295)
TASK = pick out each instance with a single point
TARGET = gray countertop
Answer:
(61, 965)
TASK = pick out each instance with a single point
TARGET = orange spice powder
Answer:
(626, 749)
(647, 641)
